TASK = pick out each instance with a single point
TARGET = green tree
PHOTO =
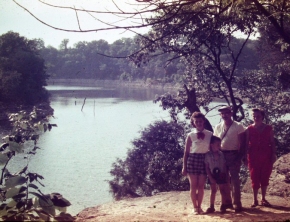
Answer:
(153, 164)
(22, 70)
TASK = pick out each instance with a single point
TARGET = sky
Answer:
(14, 18)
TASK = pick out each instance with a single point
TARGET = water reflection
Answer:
(119, 93)
(76, 157)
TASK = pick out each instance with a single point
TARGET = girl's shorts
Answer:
(195, 164)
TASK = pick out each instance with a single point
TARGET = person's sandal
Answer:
(255, 203)
(265, 203)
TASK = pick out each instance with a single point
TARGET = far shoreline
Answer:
(136, 83)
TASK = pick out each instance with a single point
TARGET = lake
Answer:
(75, 158)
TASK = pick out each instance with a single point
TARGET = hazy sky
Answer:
(14, 18)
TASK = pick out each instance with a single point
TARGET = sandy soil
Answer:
(176, 206)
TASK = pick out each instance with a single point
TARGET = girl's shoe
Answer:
(195, 211)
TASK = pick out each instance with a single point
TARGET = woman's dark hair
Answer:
(196, 115)
(214, 138)
(259, 110)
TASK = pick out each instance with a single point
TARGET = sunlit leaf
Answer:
(3, 213)
(5, 139)
(14, 181)
(23, 125)
(12, 203)
(23, 170)
(3, 158)
(12, 192)
(4, 146)
(17, 147)
(40, 127)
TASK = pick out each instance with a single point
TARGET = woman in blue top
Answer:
(196, 145)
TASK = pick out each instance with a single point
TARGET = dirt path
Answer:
(176, 206)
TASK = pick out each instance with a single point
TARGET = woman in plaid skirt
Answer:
(196, 145)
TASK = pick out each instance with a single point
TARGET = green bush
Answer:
(154, 163)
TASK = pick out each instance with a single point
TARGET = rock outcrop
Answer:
(279, 183)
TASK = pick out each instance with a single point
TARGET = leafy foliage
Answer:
(100, 60)
(20, 193)
(200, 33)
(22, 70)
(153, 164)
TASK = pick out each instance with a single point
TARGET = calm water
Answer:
(76, 157)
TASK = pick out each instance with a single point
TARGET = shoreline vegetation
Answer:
(10, 108)
(149, 83)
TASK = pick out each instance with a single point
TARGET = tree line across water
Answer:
(188, 41)
(100, 60)
(26, 64)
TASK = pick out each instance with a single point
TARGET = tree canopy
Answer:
(22, 70)
(200, 35)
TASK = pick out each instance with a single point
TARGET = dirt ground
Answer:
(177, 206)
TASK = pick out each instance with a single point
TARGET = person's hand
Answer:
(184, 173)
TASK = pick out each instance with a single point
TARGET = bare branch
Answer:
(78, 20)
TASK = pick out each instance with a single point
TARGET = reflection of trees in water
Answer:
(119, 93)
(139, 94)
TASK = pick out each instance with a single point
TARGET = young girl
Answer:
(218, 175)
(196, 145)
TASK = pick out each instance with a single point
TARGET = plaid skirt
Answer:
(195, 164)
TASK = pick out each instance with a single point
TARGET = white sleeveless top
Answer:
(199, 145)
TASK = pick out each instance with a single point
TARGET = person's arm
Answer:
(188, 143)
(244, 143)
(273, 146)
(212, 180)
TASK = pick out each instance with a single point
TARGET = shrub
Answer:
(154, 163)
